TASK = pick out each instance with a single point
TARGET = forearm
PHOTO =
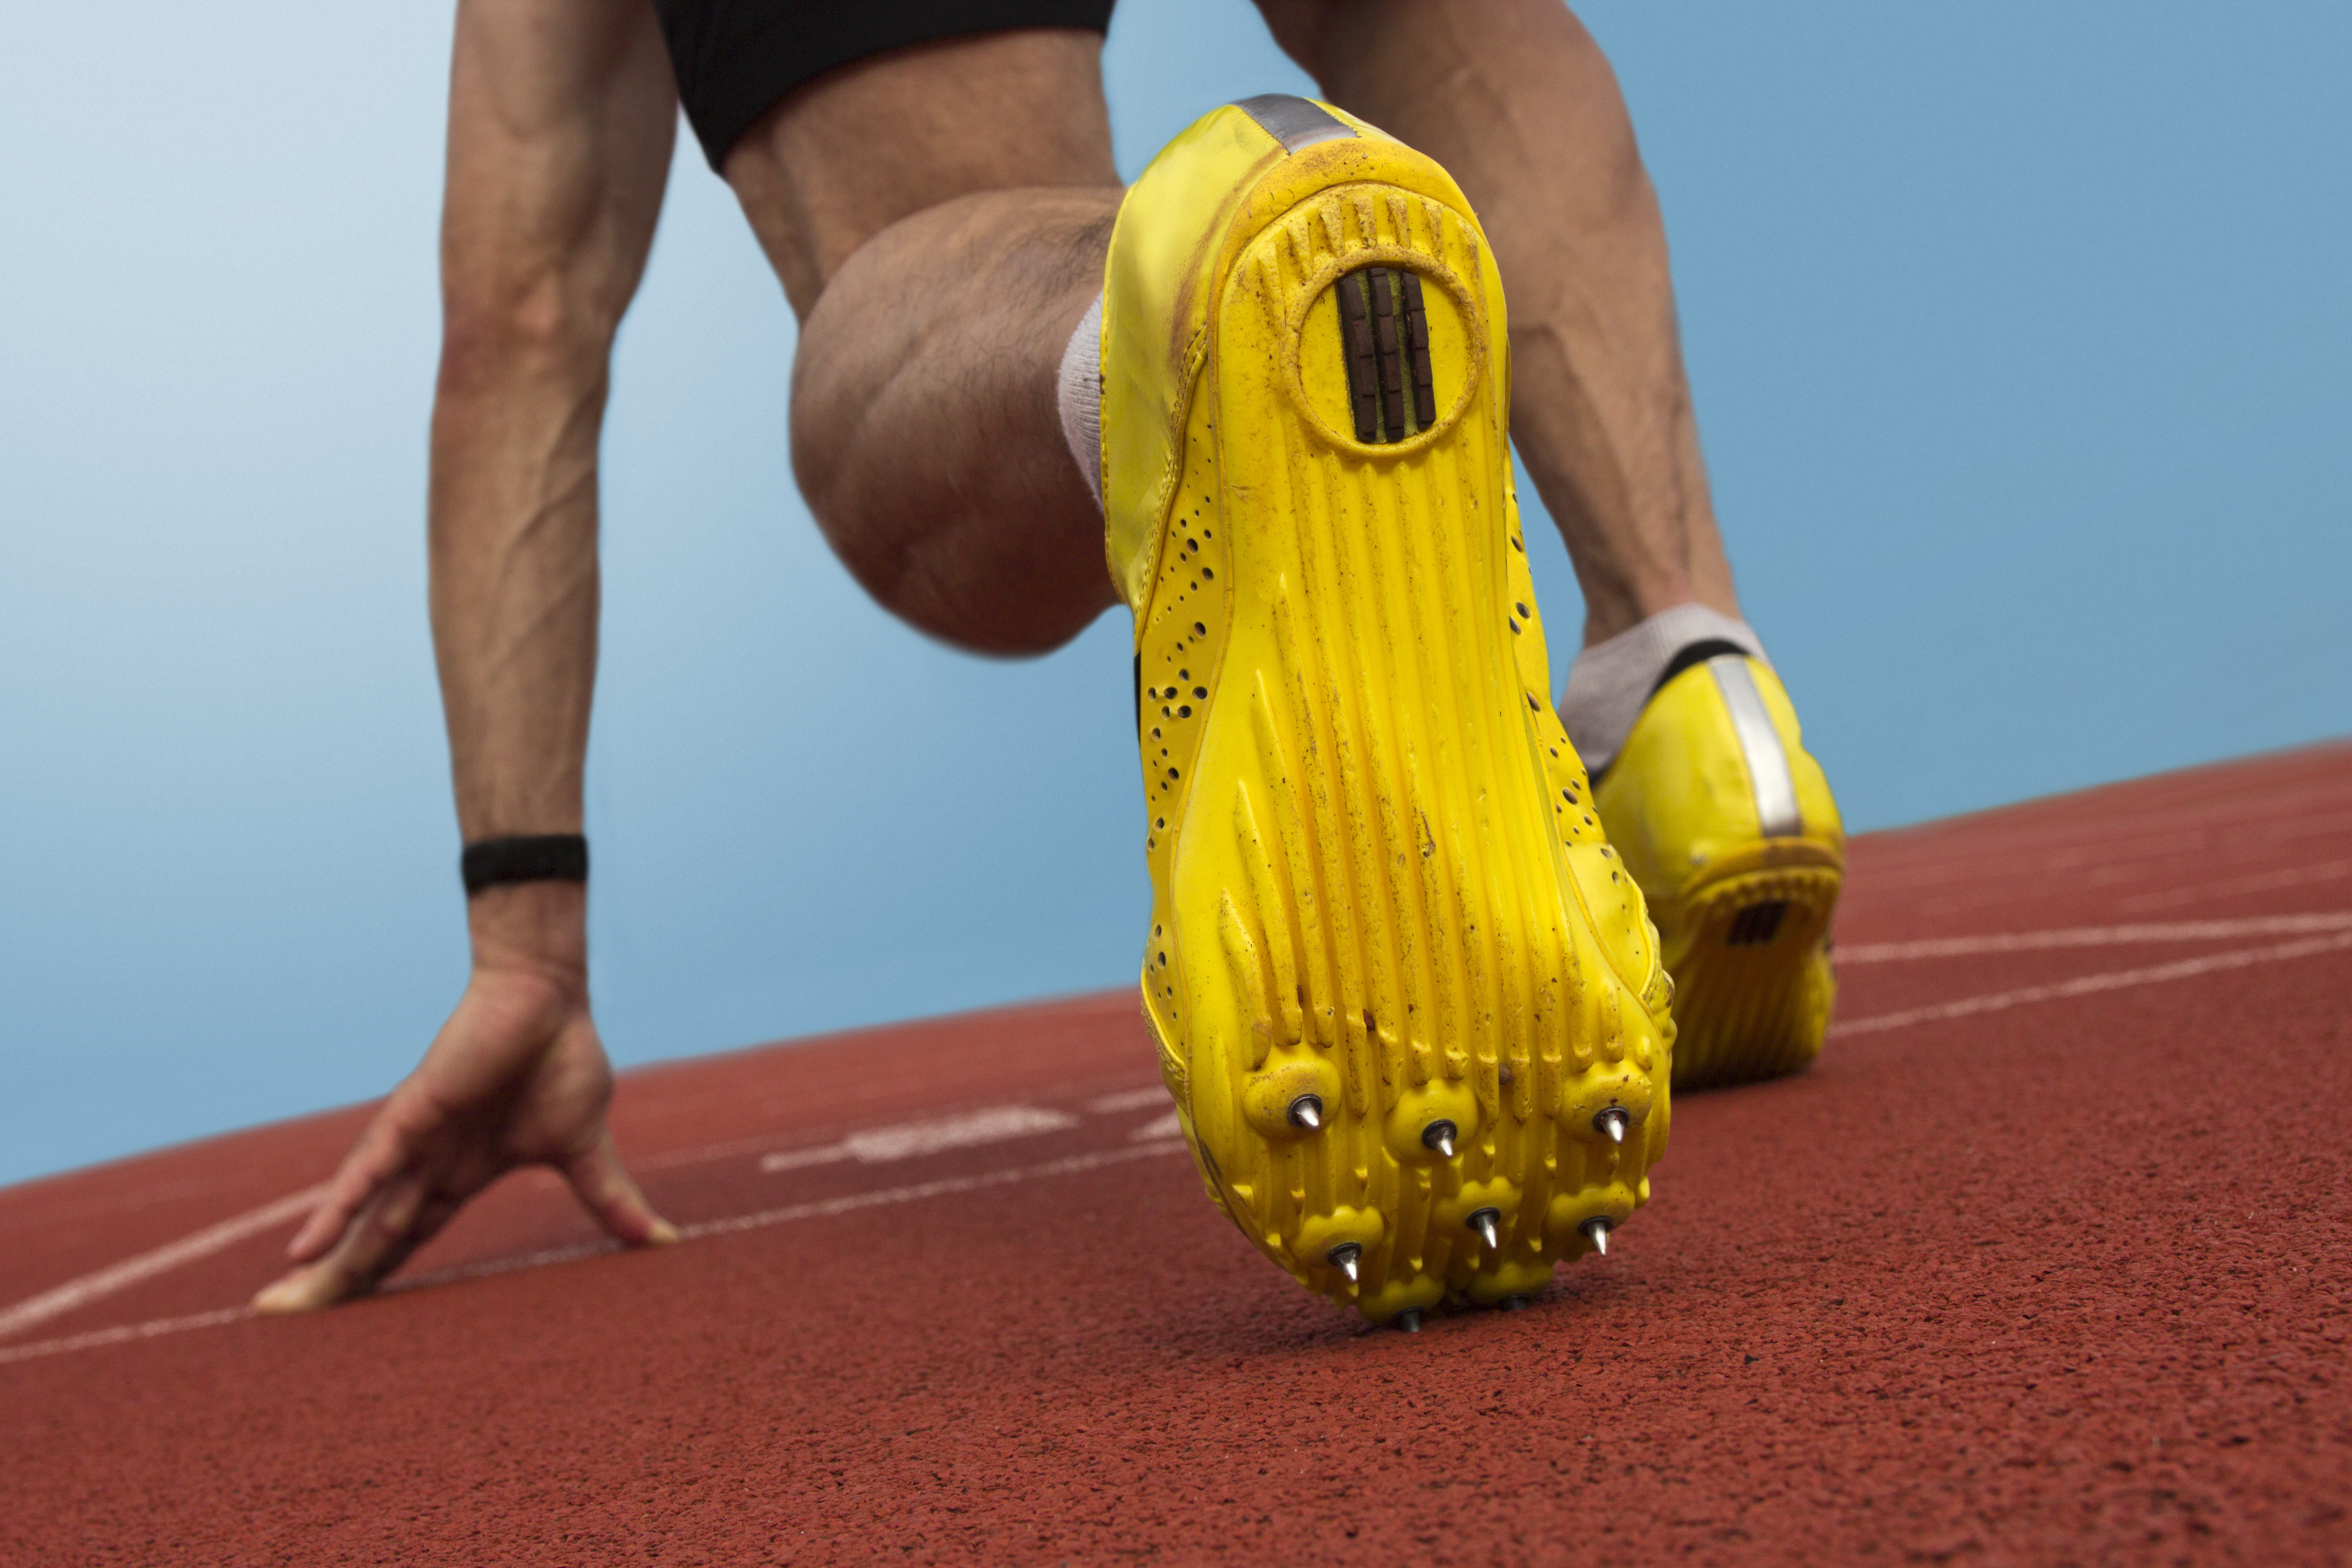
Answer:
(561, 120)
(514, 579)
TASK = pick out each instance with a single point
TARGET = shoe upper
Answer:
(1191, 211)
(1715, 770)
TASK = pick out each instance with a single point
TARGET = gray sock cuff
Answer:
(1611, 681)
(1078, 393)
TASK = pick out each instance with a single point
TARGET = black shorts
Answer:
(735, 58)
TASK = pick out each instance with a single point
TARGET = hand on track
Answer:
(517, 1077)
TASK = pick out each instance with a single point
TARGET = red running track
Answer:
(2046, 1262)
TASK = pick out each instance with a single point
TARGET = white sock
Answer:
(1612, 681)
(1078, 393)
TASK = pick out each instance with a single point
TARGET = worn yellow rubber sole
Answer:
(1753, 986)
(1409, 1001)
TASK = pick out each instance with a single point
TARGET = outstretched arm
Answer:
(562, 114)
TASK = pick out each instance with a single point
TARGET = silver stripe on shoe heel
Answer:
(1759, 746)
(1293, 121)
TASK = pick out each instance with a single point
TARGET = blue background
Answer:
(2022, 343)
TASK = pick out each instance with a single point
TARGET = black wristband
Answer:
(547, 857)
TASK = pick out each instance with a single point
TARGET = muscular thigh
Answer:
(848, 153)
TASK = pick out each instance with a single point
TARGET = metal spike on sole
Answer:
(1439, 1135)
(1596, 1231)
(1409, 1320)
(1487, 1224)
(1613, 1122)
(1346, 1259)
(1306, 1111)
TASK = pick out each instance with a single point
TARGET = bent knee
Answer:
(981, 555)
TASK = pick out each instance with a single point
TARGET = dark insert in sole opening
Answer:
(1384, 334)
(1756, 924)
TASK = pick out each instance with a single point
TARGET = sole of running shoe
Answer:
(1408, 999)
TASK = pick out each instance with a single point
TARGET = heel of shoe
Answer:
(1753, 988)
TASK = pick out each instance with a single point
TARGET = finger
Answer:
(608, 1191)
(378, 1155)
(380, 1235)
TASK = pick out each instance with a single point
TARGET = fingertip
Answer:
(286, 1295)
(604, 1186)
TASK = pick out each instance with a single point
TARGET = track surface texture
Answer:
(2045, 1262)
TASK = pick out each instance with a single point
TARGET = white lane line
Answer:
(878, 1144)
(826, 1207)
(823, 1208)
(2261, 882)
(1130, 1099)
(146, 1331)
(2185, 969)
(90, 1287)
(205, 1242)
(286, 1207)
(2091, 936)
(881, 1145)
(1169, 1126)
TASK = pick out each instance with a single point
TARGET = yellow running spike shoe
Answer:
(1408, 1001)
(1728, 825)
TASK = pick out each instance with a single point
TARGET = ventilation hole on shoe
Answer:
(1515, 628)
(1533, 703)
(1523, 611)
(1201, 693)
(1206, 572)
(1185, 711)
(1172, 773)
